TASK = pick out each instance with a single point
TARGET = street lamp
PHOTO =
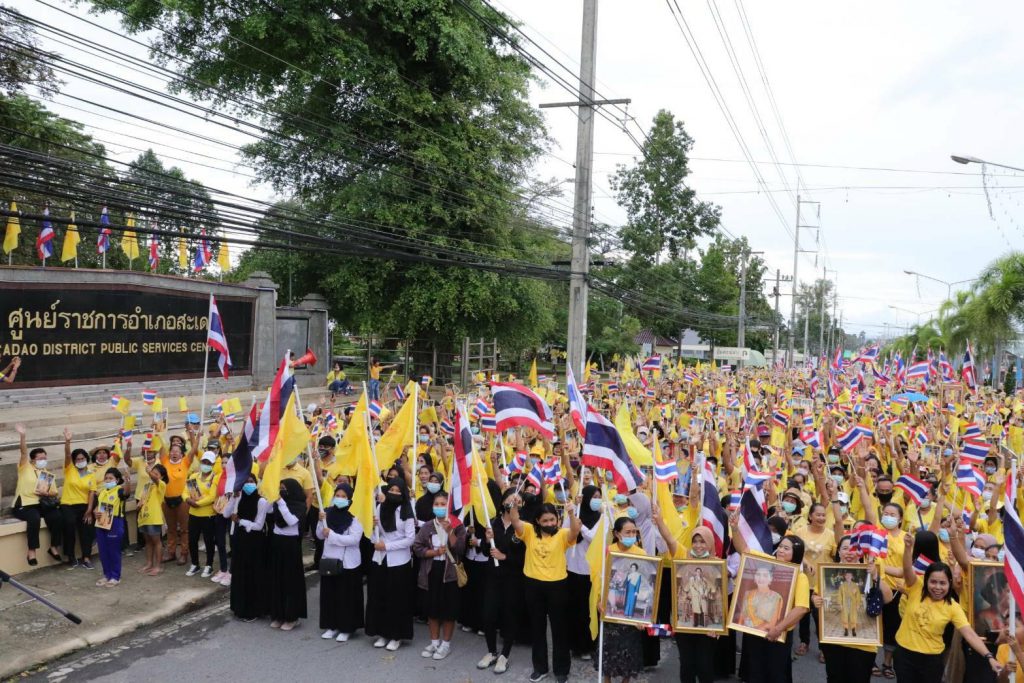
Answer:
(975, 160)
(904, 310)
(949, 285)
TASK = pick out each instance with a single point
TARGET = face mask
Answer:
(529, 498)
(474, 430)
(41, 463)
(111, 484)
(595, 504)
(680, 508)
(803, 473)
(833, 458)
(101, 462)
(628, 541)
(440, 512)
(249, 488)
(394, 498)
(550, 530)
(206, 469)
(890, 521)
(926, 503)
(837, 478)
(776, 538)
(631, 512)
(885, 497)
(986, 495)
(424, 438)
(699, 556)
(433, 486)
(81, 464)
(944, 535)
(977, 553)
(947, 453)
(844, 510)
(620, 499)
(341, 503)
(789, 507)
(560, 496)
(990, 470)
(1000, 555)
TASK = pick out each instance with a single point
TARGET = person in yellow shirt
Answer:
(201, 492)
(79, 480)
(107, 506)
(35, 499)
(337, 383)
(374, 371)
(546, 583)
(929, 608)
(177, 463)
(153, 484)
(622, 655)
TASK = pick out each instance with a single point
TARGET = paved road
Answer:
(210, 645)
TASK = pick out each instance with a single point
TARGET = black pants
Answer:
(847, 664)
(976, 668)
(580, 642)
(696, 658)
(32, 515)
(75, 524)
(914, 667)
(220, 539)
(197, 526)
(312, 519)
(547, 602)
(501, 608)
(805, 627)
(769, 661)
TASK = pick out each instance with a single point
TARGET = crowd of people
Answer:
(528, 569)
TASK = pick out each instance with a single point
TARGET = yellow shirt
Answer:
(982, 526)
(300, 474)
(28, 477)
(894, 558)
(207, 489)
(151, 511)
(925, 619)
(374, 372)
(1003, 657)
(111, 497)
(818, 547)
(545, 555)
(77, 486)
(332, 376)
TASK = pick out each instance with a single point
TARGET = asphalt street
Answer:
(210, 644)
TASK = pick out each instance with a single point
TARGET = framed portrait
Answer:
(104, 516)
(700, 596)
(631, 585)
(843, 619)
(988, 603)
(44, 482)
(762, 594)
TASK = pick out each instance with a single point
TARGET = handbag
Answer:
(461, 577)
(873, 601)
(330, 566)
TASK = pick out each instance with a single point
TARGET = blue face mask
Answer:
(631, 512)
(206, 469)
(560, 496)
(944, 535)
(341, 503)
(433, 486)
(789, 507)
(440, 512)
(249, 488)
(890, 521)
(628, 541)
(424, 438)
(595, 504)
(620, 499)
(110, 484)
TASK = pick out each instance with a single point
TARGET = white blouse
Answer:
(344, 547)
(397, 543)
(292, 528)
(250, 525)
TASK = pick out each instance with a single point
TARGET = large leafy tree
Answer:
(404, 117)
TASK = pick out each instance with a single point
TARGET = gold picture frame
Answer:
(843, 618)
(757, 607)
(632, 585)
(696, 582)
(988, 588)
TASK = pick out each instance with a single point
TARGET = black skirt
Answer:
(441, 600)
(249, 582)
(389, 601)
(622, 652)
(341, 601)
(288, 592)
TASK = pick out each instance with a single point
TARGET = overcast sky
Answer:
(882, 85)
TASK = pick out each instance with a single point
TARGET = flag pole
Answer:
(600, 595)
(309, 451)
(1013, 602)
(206, 358)
(369, 434)
(480, 482)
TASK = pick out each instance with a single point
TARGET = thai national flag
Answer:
(216, 337)
(148, 396)
(660, 630)
(649, 393)
(399, 394)
(239, 465)
(613, 387)
(972, 431)
(756, 480)
(577, 404)
(749, 463)
(881, 379)
(481, 408)
(808, 421)
(969, 478)
(868, 355)
(126, 434)
(975, 451)
(666, 471)
(920, 436)
(814, 384)
(603, 447)
(913, 488)
(203, 254)
(945, 367)
(426, 380)
(711, 513)
(870, 541)
(518, 406)
(967, 370)
(781, 418)
(552, 471)
(812, 438)
(488, 423)
(921, 564)
(331, 422)
(269, 421)
(865, 431)
(920, 369)
(461, 474)
(103, 241)
(447, 427)
(519, 462)
(753, 526)
(376, 409)
(147, 442)
(652, 364)
(44, 243)
(849, 439)
(1013, 533)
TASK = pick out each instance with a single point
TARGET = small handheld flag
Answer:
(44, 243)
(913, 488)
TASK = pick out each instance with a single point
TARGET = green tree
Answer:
(809, 310)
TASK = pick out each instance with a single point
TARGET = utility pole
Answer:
(741, 332)
(775, 339)
(576, 340)
(807, 321)
(796, 281)
(821, 318)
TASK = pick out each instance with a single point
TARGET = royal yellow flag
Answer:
(429, 415)
(345, 453)
(69, 250)
(158, 405)
(128, 423)
(482, 508)
(129, 243)
(533, 373)
(13, 230)
(182, 404)
(232, 406)
(292, 437)
(224, 258)
(182, 254)
(123, 405)
(640, 456)
(595, 553)
(402, 430)
(364, 497)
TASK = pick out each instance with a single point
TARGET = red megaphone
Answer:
(309, 358)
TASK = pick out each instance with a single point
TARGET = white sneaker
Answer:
(342, 638)
(380, 642)
(225, 580)
(429, 651)
(328, 634)
(393, 645)
(217, 577)
(487, 660)
(466, 629)
(501, 666)
(206, 572)
(443, 650)
(192, 571)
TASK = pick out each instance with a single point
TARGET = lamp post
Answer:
(949, 285)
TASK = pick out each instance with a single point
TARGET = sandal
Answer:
(888, 672)
(876, 672)
(801, 649)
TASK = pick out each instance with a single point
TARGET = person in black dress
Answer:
(341, 581)
(287, 578)
(248, 513)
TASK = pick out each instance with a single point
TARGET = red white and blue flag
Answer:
(969, 478)
(1013, 533)
(269, 421)
(103, 241)
(462, 463)
(913, 488)
(781, 418)
(577, 404)
(946, 368)
(204, 255)
(972, 431)
(712, 515)
(148, 396)
(552, 471)
(666, 471)
(753, 525)
(238, 467)
(652, 364)
(481, 408)
(44, 243)
(376, 409)
(968, 371)
(812, 437)
(975, 451)
(518, 406)
(399, 394)
(871, 541)
(849, 439)
(154, 253)
(216, 337)
(488, 423)
(603, 448)
(921, 564)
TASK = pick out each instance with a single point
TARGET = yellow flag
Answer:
(641, 456)
(182, 254)
(778, 437)
(364, 497)
(401, 431)
(482, 509)
(129, 244)
(224, 258)
(128, 423)
(665, 502)
(429, 415)
(1016, 439)
(123, 406)
(232, 406)
(291, 440)
(69, 250)
(595, 552)
(13, 230)
(345, 453)
(533, 373)
(182, 404)
(158, 405)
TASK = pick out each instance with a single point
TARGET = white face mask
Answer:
(977, 553)
(776, 539)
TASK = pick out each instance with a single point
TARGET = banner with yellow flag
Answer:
(595, 561)
(292, 437)
(640, 456)
(402, 430)
(345, 456)
(69, 250)
(129, 244)
(13, 230)
(364, 497)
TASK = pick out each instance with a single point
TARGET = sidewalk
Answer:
(31, 634)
